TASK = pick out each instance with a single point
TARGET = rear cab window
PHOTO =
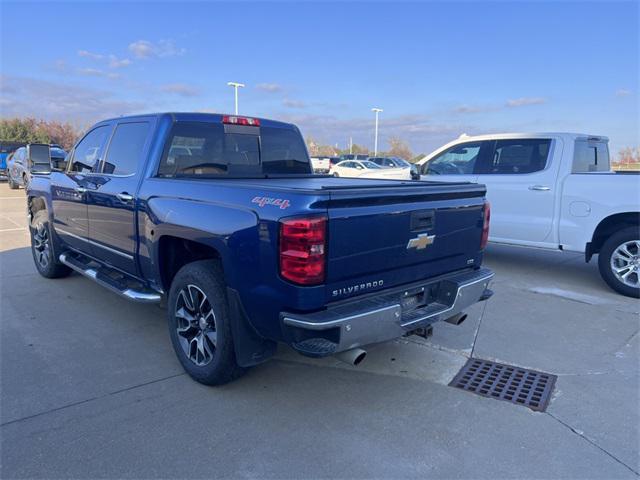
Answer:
(219, 150)
(591, 155)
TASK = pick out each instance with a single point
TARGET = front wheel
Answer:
(12, 185)
(619, 262)
(43, 249)
(199, 323)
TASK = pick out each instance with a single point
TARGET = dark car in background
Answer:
(17, 167)
(7, 148)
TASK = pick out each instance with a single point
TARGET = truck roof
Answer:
(198, 117)
(493, 136)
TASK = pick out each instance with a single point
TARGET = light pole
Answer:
(375, 143)
(235, 86)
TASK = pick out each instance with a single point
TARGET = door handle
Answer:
(124, 197)
(540, 188)
(81, 190)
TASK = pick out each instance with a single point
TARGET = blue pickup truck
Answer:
(220, 219)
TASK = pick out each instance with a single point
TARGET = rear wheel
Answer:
(199, 323)
(43, 249)
(619, 262)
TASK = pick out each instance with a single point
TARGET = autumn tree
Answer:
(30, 130)
(398, 148)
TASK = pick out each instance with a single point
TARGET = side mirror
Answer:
(39, 158)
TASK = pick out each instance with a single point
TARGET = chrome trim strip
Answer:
(325, 325)
(91, 242)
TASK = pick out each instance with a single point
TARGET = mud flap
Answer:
(250, 347)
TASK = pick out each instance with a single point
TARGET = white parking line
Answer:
(12, 229)
(12, 198)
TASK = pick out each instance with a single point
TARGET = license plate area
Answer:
(421, 301)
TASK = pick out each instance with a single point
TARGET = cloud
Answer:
(294, 103)
(96, 72)
(420, 131)
(115, 62)
(147, 49)
(623, 92)
(91, 55)
(269, 87)
(26, 96)
(475, 108)
(524, 101)
(181, 89)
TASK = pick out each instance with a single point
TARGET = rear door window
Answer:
(196, 148)
(125, 149)
(519, 156)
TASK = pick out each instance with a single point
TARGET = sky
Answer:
(437, 69)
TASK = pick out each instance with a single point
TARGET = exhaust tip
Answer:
(353, 357)
(359, 358)
(457, 319)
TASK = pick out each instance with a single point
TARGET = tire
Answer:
(12, 185)
(619, 261)
(199, 323)
(336, 174)
(43, 248)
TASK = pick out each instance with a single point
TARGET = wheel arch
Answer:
(607, 227)
(174, 252)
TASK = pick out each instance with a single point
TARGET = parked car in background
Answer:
(321, 164)
(6, 148)
(367, 169)
(18, 168)
(396, 162)
(553, 191)
(354, 156)
(248, 248)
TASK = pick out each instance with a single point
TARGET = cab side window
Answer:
(87, 153)
(125, 149)
(458, 160)
(519, 156)
(590, 156)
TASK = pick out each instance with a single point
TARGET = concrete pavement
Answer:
(91, 388)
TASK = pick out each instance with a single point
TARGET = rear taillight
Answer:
(302, 249)
(235, 120)
(486, 213)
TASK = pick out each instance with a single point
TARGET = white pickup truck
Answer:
(321, 164)
(553, 191)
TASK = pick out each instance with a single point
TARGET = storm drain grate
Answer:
(506, 382)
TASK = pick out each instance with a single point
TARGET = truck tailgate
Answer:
(380, 237)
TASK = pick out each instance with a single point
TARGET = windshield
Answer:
(197, 148)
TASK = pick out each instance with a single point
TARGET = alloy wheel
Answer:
(196, 325)
(42, 245)
(625, 263)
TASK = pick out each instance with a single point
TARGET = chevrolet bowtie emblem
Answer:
(421, 241)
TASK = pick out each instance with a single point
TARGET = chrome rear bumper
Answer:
(386, 316)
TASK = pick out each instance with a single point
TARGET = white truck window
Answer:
(590, 156)
(520, 156)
